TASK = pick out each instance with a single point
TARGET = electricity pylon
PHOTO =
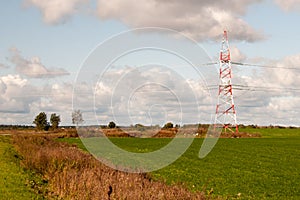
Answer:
(225, 110)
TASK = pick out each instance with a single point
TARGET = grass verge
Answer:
(15, 183)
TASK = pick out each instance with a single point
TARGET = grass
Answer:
(248, 168)
(14, 182)
(74, 174)
(274, 132)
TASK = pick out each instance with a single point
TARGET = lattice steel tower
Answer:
(225, 111)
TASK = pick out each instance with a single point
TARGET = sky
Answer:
(148, 61)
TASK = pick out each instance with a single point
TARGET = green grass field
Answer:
(248, 168)
(14, 182)
(274, 132)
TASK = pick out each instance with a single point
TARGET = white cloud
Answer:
(15, 96)
(33, 68)
(268, 98)
(285, 75)
(21, 101)
(149, 96)
(269, 95)
(199, 19)
(289, 5)
(55, 11)
(237, 55)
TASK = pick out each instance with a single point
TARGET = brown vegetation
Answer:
(74, 174)
(115, 132)
(169, 132)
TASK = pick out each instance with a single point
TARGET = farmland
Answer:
(237, 168)
(245, 168)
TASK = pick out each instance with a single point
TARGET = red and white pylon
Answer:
(225, 110)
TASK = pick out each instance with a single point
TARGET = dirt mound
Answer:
(115, 132)
(170, 132)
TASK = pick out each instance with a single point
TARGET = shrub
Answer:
(168, 125)
(111, 125)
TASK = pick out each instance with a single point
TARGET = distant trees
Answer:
(168, 125)
(42, 124)
(41, 121)
(111, 124)
(54, 120)
(77, 117)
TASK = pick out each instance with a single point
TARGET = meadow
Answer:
(42, 165)
(237, 168)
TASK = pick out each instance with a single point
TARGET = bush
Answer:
(168, 125)
(111, 125)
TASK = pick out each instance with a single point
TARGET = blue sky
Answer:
(44, 44)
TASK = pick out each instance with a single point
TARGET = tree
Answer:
(77, 117)
(55, 120)
(168, 125)
(111, 125)
(41, 121)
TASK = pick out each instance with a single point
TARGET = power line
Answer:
(256, 88)
(264, 66)
(254, 65)
(264, 88)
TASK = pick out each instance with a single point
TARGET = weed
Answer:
(74, 174)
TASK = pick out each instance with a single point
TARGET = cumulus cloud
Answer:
(21, 101)
(269, 95)
(237, 55)
(33, 68)
(58, 97)
(152, 95)
(56, 11)
(156, 95)
(289, 5)
(199, 19)
(286, 75)
(15, 96)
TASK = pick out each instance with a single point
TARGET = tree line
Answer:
(42, 123)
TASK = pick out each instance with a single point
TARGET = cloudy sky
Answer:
(60, 55)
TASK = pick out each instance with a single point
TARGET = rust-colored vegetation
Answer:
(74, 174)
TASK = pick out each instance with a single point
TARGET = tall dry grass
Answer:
(74, 174)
